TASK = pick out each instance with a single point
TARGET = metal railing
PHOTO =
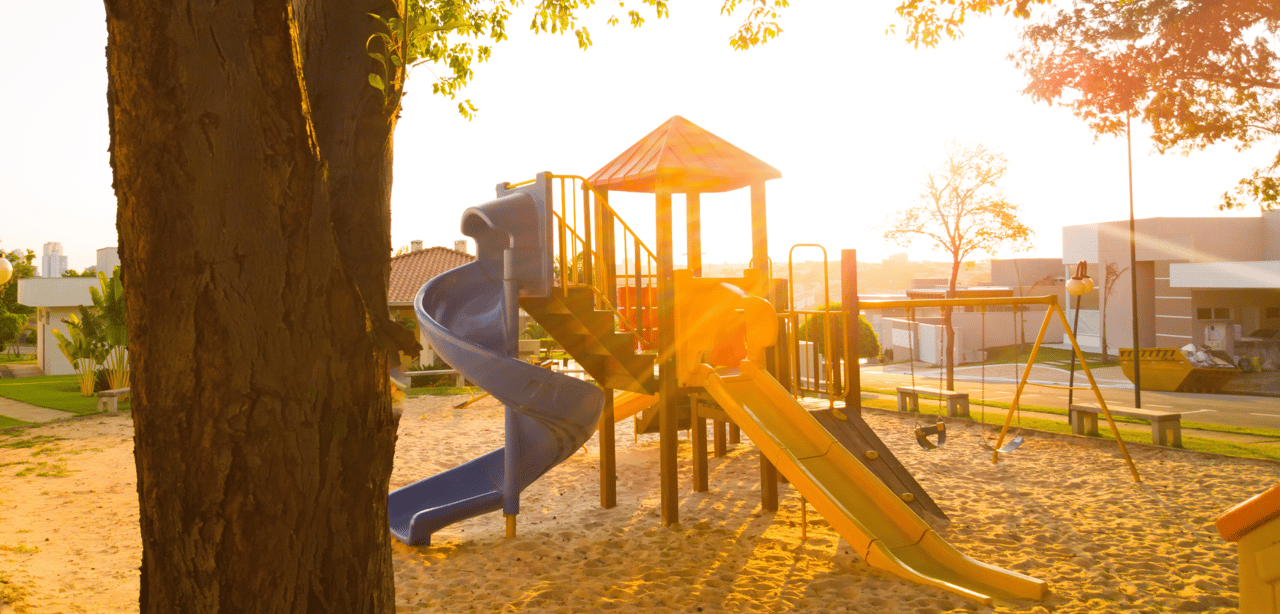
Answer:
(596, 248)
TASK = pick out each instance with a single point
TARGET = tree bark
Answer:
(253, 182)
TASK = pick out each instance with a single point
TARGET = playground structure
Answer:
(723, 350)
(1254, 525)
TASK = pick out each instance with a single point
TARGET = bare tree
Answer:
(963, 212)
(1111, 275)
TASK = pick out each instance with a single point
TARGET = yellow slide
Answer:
(879, 526)
(627, 404)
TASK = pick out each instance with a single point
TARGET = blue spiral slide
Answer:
(470, 316)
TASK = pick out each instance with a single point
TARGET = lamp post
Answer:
(1133, 272)
(6, 270)
(1078, 285)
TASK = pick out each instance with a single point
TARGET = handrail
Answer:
(604, 201)
(832, 390)
(575, 242)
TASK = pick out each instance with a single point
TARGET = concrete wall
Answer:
(48, 357)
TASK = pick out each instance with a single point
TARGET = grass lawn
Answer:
(441, 391)
(53, 391)
(7, 358)
(1046, 357)
(6, 422)
(995, 418)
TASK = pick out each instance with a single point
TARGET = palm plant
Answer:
(115, 339)
(80, 347)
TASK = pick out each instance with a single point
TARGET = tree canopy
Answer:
(1198, 72)
(961, 209)
(457, 34)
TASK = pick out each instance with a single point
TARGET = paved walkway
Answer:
(30, 413)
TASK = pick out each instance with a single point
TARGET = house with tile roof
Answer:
(411, 270)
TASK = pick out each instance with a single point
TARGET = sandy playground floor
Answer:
(1062, 509)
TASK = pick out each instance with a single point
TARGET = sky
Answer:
(852, 116)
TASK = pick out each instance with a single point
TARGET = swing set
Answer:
(938, 430)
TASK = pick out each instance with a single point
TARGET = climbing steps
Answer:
(588, 335)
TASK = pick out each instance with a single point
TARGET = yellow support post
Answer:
(1097, 394)
(1022, 384)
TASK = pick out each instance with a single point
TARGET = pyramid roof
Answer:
(681, 157)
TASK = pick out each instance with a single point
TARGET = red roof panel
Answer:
(680, 157)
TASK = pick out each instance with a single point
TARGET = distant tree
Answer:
(11, 327)
(963, 212)
(88, 272)
(13, 316)
(1199, 72)
(23, 268)
(1111, 274)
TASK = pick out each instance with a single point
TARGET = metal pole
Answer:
(1133, 273)
(1071, 380)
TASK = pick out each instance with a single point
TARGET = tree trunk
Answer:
(255, 258)
(950, 360)
(1102, 325)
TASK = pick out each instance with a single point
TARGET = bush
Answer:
(812, 330)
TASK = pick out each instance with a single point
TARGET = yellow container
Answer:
(1168, 370)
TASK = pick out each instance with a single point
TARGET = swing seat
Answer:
(923, 433)
(1009, 446)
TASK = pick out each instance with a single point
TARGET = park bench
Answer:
(1166, 427)
(957, 402)
(108, 399)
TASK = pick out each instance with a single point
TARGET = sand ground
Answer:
(1061, 508)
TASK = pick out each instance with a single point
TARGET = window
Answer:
(1272, 313)
(1213, 313)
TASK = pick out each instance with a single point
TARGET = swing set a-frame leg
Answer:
(1093, 384)
(1022, 384)
(1097, 394)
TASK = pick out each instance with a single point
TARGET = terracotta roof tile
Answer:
(410, 271)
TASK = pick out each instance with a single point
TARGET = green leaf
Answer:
(377, 82)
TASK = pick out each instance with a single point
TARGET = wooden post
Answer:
(699, 437)
(608, 454)
(668, 388)
(760, 261)
(693, 232)
(852, 330)
(768, 484)
(607, 270)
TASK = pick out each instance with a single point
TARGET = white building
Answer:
(55, 299)
(1208, 281)
(53, 263)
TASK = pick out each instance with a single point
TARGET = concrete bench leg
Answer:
(107, 404)
(958, 407)
(908, 402)
(1166, 433)
(1083, 423)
